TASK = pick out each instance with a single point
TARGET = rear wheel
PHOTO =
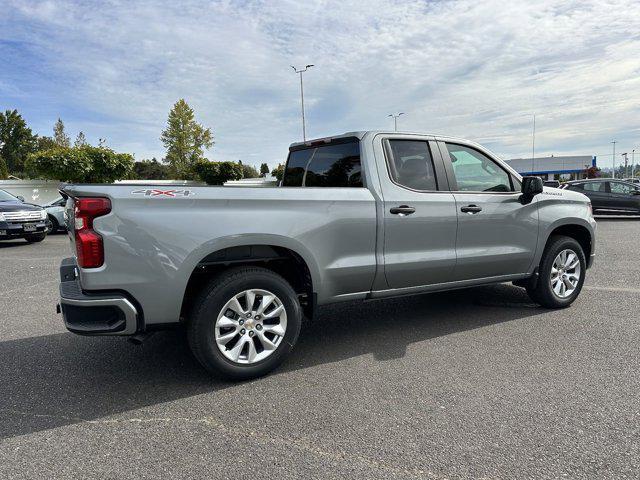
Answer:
(244, 323)
(35, 237)
(561, 273)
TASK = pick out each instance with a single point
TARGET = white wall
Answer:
(33, 191)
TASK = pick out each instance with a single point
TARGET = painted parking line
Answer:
(613, 289)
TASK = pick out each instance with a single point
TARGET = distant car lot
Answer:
(467, 384)
(608, 196)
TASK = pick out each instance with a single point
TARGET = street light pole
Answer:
(633, 162)
(614, 158)
(300, 72)
(395, 120)
(533, 145)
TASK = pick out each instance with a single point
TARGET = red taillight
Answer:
(89, 249)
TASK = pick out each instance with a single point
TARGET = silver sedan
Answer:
(55, 212)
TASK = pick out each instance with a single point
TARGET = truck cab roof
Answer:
(360, 134)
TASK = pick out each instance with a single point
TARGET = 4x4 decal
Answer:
(155, 192)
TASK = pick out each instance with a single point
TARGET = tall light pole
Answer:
(614, 158)
(626, 162)
(395, 120)
(533, 144)
(300, 72)
(633, 162)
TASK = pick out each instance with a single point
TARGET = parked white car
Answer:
(55, 212)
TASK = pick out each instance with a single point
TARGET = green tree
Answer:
(59, 135)
(16, 140)
(248, 171)
(150, 170)
(216, 173)
(45, 143)
(264, 169)
(4, 172)
(81, 140)
(278, 172)
(185, 140)
(85, 164)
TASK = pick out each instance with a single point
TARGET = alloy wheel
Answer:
(250, 326)
(565, 273)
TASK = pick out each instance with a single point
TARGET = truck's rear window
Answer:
(333, 165)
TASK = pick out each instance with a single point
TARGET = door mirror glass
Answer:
(20, 197)
(531, 186)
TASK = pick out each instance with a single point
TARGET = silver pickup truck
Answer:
(357, 216)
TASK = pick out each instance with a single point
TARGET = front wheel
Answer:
(244, 323)
(54, 225)
(561, 273)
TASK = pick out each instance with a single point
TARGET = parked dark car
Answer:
(609, 196)
(21, 220)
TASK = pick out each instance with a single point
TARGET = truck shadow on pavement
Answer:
(56, 380)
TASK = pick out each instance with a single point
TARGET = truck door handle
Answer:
(471, 209)
(402, 210)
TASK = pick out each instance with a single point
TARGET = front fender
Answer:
(563, 212)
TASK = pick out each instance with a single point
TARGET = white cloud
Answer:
(468, 68)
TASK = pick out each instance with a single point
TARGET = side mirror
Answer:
(20, 197)
(531, 186)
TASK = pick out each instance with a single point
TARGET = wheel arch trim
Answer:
(209, 248)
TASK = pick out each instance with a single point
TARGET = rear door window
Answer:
(411, 165)
(333, 165)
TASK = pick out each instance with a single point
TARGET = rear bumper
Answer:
(94, 313)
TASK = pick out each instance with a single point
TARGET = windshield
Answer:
(7, 197)
(58, 202)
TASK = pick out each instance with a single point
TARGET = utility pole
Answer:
(624, 155)
(300, 72)
(614, 158)
(533, 145)
(395, 120)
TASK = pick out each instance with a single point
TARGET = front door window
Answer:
(475, 172)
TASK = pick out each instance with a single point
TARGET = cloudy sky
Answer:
(476, 69)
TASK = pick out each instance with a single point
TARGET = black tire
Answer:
(35, 237)
(54, 225)
(543, 292)
(207, 306)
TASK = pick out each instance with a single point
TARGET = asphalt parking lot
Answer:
(470, 384)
